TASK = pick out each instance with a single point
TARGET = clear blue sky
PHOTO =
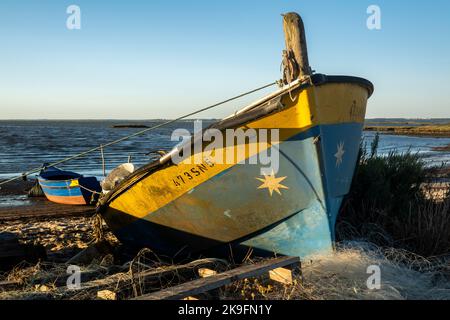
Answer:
(160, 59)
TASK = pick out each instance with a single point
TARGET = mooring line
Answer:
(36, 170)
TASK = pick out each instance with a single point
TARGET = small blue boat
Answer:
(67, 187)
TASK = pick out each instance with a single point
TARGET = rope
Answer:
(289, 67)
(97, 225)
(36, 170)
(87, 189)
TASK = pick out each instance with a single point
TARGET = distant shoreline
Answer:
(121, 126)
(371, 121)
(433, 130)
(109, 120)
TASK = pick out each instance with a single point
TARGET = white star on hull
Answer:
(339, 154)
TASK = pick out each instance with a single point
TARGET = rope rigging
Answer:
(101, 147)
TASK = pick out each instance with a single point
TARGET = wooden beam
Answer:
(202, 285)
(295, 38)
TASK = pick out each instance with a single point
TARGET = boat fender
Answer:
(116, 176)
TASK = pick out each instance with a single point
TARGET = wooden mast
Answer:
(296, 49)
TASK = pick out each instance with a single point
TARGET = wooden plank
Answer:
(202, 285)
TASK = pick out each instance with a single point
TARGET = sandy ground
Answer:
(62, 238)
(62, 230)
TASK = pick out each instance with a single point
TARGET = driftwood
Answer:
(212, 282)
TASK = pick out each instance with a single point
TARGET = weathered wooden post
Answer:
(296, 54)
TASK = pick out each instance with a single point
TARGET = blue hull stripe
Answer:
(75, 191)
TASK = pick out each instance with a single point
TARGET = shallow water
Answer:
(14, 201)
(25, 145)
(422, 145)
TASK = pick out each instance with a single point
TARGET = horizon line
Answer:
(170, 119)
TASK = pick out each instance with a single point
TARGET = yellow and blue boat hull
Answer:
(210, 206)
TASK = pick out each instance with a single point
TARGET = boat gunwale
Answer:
(40, 178)
(58, 187)
(315, 80)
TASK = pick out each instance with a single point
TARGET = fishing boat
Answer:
(67, 187)
(185, 206)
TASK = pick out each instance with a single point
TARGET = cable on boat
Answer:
(101, 147)
(87, 189)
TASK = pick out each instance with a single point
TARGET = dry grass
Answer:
(395, 202)
(423, 227)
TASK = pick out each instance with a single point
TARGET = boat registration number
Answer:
(191, 174)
